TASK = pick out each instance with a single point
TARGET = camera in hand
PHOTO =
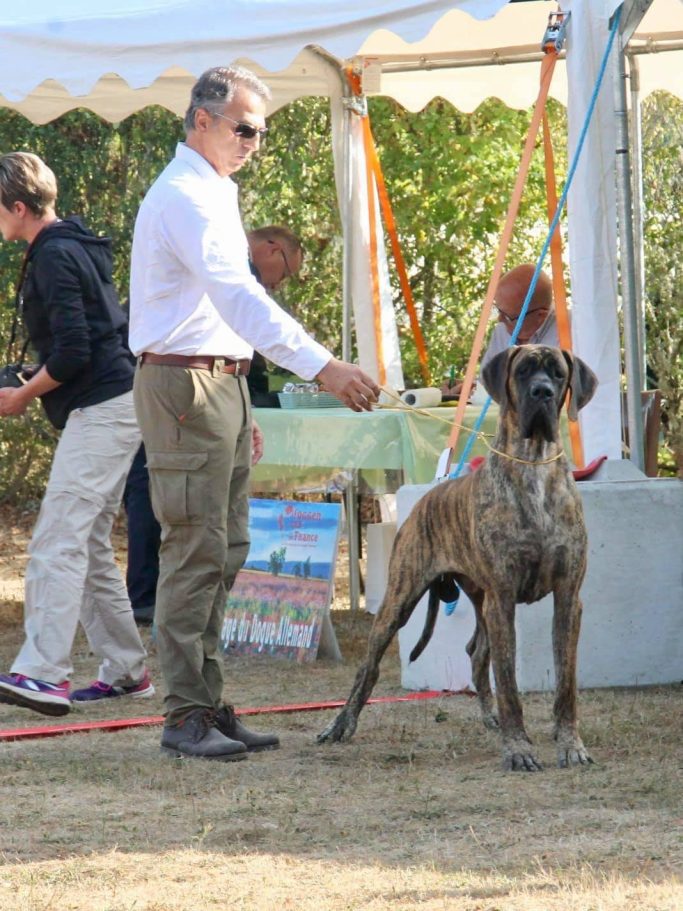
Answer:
(15, 375)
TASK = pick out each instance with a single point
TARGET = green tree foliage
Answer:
(449, 176)
(663, 230)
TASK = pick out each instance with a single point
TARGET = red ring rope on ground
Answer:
(121, 724)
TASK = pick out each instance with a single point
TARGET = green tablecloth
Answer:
(307, 446)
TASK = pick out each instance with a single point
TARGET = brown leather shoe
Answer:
(229, 724)
(197, 737)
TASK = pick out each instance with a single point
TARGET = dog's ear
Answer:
(495, 374)
(582, 384)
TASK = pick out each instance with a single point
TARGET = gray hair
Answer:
(216, 87)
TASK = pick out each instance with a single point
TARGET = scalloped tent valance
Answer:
(118, 56)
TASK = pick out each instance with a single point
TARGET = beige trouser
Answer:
(196, 426)
(71, 573)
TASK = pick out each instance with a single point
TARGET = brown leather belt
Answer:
(199, 362)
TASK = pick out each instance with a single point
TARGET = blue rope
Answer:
(551, 230)
(449, 608)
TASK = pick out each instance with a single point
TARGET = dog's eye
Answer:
(553, 369)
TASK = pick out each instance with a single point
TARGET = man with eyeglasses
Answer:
(539, 326)
(275, 255)
(196, 314)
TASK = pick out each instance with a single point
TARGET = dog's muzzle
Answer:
(539, 412)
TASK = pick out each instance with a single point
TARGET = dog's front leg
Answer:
(389, 620)
(518, 753)
(409, 576)
(566, 627)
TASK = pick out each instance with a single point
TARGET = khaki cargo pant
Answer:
(196, 427)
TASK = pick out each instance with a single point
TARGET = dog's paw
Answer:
(518, 756)
(570, 748)
(342, 728)
(574, 755)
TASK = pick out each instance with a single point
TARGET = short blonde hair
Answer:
(24, 177)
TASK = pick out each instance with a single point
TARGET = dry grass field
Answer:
(413, 814)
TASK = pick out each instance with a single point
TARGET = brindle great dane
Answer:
(511, 532)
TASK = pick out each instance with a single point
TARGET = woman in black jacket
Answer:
(74, 322)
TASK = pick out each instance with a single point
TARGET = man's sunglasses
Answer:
(245, 130)
(511, 320)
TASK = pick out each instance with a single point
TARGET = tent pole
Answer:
(632, 12)
(346, 217)
(638, 207)
(351, 491)
(634, 383)
(338, 69)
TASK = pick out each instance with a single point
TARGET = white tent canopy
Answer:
(158, 47)
(118, 56)
(461, 60)
(115, 57)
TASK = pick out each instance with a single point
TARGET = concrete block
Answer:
(380, 540)
(632, 629)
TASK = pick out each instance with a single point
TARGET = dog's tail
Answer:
(443, 588)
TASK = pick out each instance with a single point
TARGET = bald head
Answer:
(510, 294)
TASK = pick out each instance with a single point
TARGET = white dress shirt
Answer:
(191, 289)
(500, 338)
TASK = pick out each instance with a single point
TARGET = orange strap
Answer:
(373, 168)
(374, 266)
(390, 225)
(547, 69)
(559, 293)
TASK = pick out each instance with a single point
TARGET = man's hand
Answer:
(350, 384)
(12, 401)
(455, 388)
(256, 443)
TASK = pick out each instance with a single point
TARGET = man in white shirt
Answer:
(196, 313)
(539, 326)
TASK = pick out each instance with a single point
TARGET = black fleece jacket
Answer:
(74, 320)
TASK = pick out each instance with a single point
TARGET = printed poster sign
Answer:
(279, 604)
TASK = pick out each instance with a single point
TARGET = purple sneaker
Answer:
(98, 690)
(39, 695)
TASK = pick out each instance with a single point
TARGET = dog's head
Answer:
(533, 381)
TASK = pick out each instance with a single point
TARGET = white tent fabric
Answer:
(387, 352)
(71, 46)
(358, 240)
(466, 61)
(118, 56)
(592, 225)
